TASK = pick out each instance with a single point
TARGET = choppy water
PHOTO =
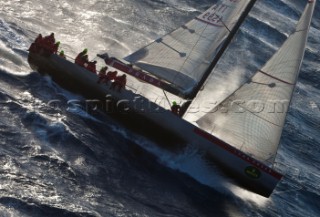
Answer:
(62, 161)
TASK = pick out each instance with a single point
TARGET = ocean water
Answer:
(59, 160)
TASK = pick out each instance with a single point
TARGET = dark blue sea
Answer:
(57, 159)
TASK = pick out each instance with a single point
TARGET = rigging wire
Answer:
(167, 98)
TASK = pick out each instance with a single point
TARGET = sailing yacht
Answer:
(178, 66)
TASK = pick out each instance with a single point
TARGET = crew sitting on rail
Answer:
(92, 67)
(48, 43)
(175, 108)
(85, 60)
(102, 74)
(36, 45)
(39, 39)
(82, 58)
(119, 82)
(111, 76)
(49, 40)
(56, 47)
(44, 46)
(106, 77)
(35, 48)
(62, 55)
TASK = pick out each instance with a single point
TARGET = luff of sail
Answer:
(184, 55)
(252, 118)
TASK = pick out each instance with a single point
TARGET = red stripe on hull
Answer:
(136, 73)
(238, 153)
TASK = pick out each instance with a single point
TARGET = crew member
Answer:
(39, 39)
(81, 59)
(36, 46)
(48, 44)
(175, 108)
(56, 47)
(92, 66)
(50, 40)
(102, 74)
(61, 54)
(111, 76)
(119, 82)
(85, 60)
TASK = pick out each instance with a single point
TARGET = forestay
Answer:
(183, 56)
(253, 117)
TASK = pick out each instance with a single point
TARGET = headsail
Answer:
(256, 112)
(183, 56)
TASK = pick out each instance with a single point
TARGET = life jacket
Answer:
(78, 58)
(121, 81)
(55, 48)
(111, 76)
(102, 75)
(34, 48)
(39, 39)
(47, 43)
(92, 67)
(175, 109)
(49, 39)
(81, 59)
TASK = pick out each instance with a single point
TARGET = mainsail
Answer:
(183, 56)
(252, 118)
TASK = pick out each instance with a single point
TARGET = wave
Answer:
(34, 208)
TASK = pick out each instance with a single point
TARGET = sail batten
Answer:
(275, 77)
(183, 56)
(252, 118)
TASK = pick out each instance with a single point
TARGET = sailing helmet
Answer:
(174, 103)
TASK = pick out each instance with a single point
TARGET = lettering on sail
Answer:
(214, 15)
